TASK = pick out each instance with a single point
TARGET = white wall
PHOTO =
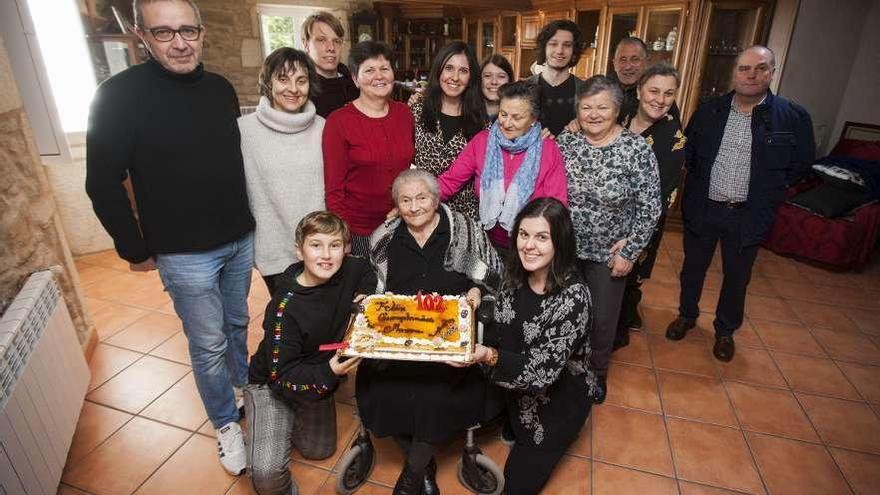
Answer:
(861, 99)
(826, 38)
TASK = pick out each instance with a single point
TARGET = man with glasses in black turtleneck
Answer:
(170, 126)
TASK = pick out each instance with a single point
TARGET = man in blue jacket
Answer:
(743, 150)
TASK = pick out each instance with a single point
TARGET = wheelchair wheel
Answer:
(480, 474)
(355, 467)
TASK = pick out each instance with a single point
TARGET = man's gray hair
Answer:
(414, 174)
(758, 47)
(596, 85)
(137, 7)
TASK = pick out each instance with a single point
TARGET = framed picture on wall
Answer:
(364, 27)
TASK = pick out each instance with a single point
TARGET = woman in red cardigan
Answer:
(366, 144)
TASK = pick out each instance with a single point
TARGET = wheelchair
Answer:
(476, 471)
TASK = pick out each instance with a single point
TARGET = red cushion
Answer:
(856, 148)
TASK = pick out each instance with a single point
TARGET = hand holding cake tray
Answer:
(424, 327)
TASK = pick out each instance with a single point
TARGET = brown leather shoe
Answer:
(724, 348)
(679, 328)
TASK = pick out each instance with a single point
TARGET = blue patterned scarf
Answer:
(496, 205)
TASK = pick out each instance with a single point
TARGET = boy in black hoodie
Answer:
(289, 399)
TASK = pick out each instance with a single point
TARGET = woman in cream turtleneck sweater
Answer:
(283, 162)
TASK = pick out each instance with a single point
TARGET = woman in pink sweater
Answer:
(510, 163)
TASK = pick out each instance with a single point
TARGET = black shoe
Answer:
(602, 382)
(724, 348)
(679, 328)
(430, 485)
(621, 339)
(409, 482)
(507, 436)
(635, 323)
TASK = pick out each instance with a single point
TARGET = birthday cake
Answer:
(424, 327)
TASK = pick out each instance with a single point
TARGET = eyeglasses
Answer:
(163, 34)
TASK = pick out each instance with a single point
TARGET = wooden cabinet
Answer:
(655, 24)
(725, 28)
(531, 26)
(482, 34)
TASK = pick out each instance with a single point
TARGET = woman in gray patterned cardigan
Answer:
(539, 347)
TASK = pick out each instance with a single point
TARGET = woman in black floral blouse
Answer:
(655, 121)
(449, 114)
(539, 346)
(614, 196)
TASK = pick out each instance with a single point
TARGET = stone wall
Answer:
(31, 236)
(232, 43)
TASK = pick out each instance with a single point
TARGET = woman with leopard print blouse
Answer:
(614, 196)
(448, 116)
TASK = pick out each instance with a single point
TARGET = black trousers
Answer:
(606, 292)
(641, 271)
(724, 225)
(528, 469)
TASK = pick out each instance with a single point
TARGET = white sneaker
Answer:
(230, 446)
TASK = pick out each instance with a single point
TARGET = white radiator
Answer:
(43, 381)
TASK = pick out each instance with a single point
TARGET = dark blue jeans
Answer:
(723, 225)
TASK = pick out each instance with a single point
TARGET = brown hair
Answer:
(321, 222)
(284, 60)
(325, 17)
(577, 46)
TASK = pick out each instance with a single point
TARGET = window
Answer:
(281, 26)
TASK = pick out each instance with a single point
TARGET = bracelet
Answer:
(493, 357)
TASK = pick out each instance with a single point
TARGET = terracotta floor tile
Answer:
(752, 366)
(69, 490)
(631, 438)
(149, 295)
(180, 406)
(127, 458)
(695, 397)
(695, 489)
(771, 411)
(814, 375)
(761, 286)
(713, 455)
(681, 356)
(655, 319)
(254, 337)
(745, 335)
(388, 463)
(96, 424)
(861, 470)
(114, 317)
(782, 269)
(107, 361)
(141, 383)
(708, 301)
(801, 290)
(787, 337)
(147, 333)
(841, 423)
(865, 378)
(665, 274)
(207, 429)
(90, 274)
(194, 468)
(614, 480)
(572, 475)
(634, 387)
(789, 466)
(823, 276)
(115, 288)
(167, 308)
(866, 320)
(175, 349)
(346, 425)
(107, 259)
(329, 488)
(848, 346)
(850, 297)
(662, 295)
(769, 308)
(823, 316)
(93, 305)
(583, 445)
(636, 352)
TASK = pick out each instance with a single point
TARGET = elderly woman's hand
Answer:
(545, 133)
(392, 214)
(474, 297)
(414, 98)
(620, 266)
(573, 127)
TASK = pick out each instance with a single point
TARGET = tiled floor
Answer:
(796, 412)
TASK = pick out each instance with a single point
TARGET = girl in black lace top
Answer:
(539, 347)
